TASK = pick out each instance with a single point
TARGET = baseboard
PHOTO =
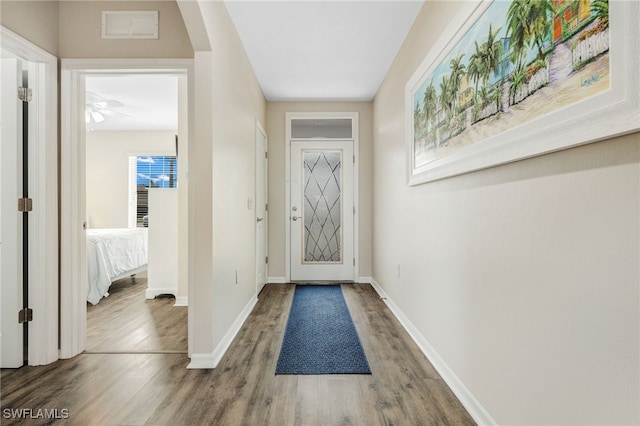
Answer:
(182, 301)
(472, 405)
(152, 293)
(201, 361)
(283, 280)
(224, 344)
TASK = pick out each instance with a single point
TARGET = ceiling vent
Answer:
(130, 24)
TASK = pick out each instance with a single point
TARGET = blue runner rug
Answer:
(320, 337)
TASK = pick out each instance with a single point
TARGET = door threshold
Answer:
(321, 282)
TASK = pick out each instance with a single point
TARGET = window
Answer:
(148, 171)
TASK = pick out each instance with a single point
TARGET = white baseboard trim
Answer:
(152, 293)
(224, 344)
(472, 405)
(209, 361)
(182, 301)
(365, 280)
(201, 362)
(277, 280)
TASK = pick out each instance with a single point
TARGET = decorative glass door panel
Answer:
(322, 233)
(321, 216)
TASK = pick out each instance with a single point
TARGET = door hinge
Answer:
(354, 261)
(266, 155)
(25, 94)
(25, 315)
(266, 207)
(25, 205)
(266, 259)
(354, 159)
(354, 209)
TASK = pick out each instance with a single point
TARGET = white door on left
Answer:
(10, 219)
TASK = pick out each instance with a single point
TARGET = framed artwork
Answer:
(510, 80)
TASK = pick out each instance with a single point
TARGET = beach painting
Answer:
(518, 61)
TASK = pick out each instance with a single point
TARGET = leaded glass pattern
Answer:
(322, 206)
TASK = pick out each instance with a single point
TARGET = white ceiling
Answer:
(299, 49)
(133, 102)
(322, 50)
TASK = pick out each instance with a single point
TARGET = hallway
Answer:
(158, 389)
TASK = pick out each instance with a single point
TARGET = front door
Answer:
(322, 210)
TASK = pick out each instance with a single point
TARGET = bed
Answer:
(113, 254)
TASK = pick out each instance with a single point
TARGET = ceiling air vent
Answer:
(130, 24)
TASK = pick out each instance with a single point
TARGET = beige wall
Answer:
(238, 102)
(81, 31)
(278, 218)
(524, 277)
(108, 171)
(72, 29)
(228, 101)
(36, 21)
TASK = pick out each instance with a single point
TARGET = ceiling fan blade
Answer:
(111, 103)
(92, 97)
(97, 117)
(110, 113)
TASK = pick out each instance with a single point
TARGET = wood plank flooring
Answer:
(126, 322)
(157, 389)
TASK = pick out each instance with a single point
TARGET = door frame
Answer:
(260, 132)
(356, 181)
(43, 180)
(73, 318)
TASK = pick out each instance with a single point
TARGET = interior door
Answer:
(261, 209)
(11, 221)
(322, 210)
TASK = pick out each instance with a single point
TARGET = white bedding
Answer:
(113, 254)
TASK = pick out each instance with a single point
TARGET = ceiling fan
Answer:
(97, 108)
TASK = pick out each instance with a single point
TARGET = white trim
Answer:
(72, 255)
(472, 405)
(208, 361)
(181, 301)
(277, 280)
(355, 136)
(43, 176)
(201, 362)
(152, 293)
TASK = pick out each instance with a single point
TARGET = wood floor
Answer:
(126, 322)
(115, 389)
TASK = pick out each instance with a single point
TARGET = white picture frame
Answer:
(611, 112)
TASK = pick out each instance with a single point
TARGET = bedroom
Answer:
(134, 302)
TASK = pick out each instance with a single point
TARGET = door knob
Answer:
(294, 218)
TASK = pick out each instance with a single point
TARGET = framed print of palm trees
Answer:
(511, 79)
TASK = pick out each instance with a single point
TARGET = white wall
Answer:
(276, 123)
(108, 171)
(524, 278)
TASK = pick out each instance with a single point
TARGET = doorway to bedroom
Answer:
(135, 168)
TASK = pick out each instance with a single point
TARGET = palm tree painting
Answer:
(520, 60)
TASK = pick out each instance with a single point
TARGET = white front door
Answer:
(322, 210)
(11, 283)
(261, 208)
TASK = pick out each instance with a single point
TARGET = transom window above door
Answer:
(324, 128)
